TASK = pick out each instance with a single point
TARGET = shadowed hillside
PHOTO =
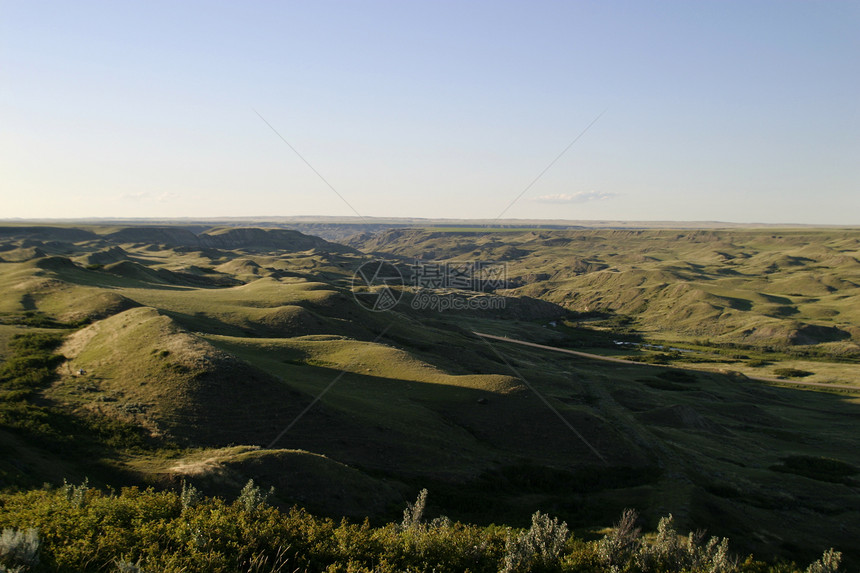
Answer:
(221, 355)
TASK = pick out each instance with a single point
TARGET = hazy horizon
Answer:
(406, 221)
(732, 112)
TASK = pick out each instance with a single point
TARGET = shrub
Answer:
(252, 497)
(145, 530)
(414, 512)
(128, 567)
(666, 550)
(620, 545)
(76, 495)
(35, 341)
(829, 563)
(19, 549)
(623, 549)
(542, 545)
(190, 495)
(792, 373)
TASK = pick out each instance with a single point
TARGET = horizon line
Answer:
(382, 220)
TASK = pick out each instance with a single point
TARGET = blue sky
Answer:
(734, 111)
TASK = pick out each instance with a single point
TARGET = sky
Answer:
(740, 111)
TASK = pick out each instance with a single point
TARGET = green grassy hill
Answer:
(757, 287)
(204, 353)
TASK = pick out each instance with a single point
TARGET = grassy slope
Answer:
(728, 285)
(785, 289)
(429, 404)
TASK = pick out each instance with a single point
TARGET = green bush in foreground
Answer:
(77, 528)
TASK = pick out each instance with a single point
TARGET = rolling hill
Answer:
(762, 287)
(215, 355)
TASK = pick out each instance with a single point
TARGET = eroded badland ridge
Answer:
(171, 352)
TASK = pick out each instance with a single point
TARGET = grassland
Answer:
(199, 354)
(791, 293)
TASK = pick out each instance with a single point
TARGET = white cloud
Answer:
(164, 197)
(578, 197)
(135, 196)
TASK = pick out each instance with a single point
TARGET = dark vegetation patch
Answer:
(679, 376)
(723, 490)
(792, 373)
(659, 358)
(658, 384)
(671, 380)
(781, 311)
(30, 368)
(582, 337)
(818, 468)
(31, 363)
(38, 319)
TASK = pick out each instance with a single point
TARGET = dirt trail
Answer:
(622, 361)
